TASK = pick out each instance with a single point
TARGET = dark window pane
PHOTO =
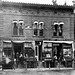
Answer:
(35, 32)
(20, 30)
(15, 29)
(41, 32)
(60, 33)
(60, 30)
(55, 28)
(54, 33)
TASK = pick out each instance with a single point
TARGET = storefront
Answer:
(50, 53)
(58, 53)
(7, 55)
(21, 51)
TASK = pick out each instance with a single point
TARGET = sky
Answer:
(60, 2)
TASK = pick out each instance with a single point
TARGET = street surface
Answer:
(37, 72)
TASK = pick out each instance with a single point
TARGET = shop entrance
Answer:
(18, 52)
(39, 50)
(57, 54)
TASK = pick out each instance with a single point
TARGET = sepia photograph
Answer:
(37, 37)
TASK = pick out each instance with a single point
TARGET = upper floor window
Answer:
(58, 29)
(38, 28)
(35, 27)
(41, 27)
(61, 28)
(15, 28)
(18, 28)
(21, 27)
(55, 29)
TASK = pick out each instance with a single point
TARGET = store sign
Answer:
(7, 45)
(55, 44)
(49, 44)
(28, 44)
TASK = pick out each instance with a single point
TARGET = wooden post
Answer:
(49, 64)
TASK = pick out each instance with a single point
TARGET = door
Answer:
(38, 49)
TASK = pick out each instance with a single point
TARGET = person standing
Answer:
(21, 59)
(17, 59)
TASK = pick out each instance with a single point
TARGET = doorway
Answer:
(39, 49)
(57, 53)
(18, 52)
(18, 48)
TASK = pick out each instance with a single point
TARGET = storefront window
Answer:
(47, 49)
(29, 50)
(67, 50)
(7, 51)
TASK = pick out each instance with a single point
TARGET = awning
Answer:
(18, 41)
(7, 41)
(69, 42)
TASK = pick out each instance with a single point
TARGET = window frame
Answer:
(21, 24)
(41, 28)
(15, 21)
(35, 28)
(57, 29)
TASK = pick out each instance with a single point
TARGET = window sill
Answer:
(18, 36)
(57, 36)
(38, 36)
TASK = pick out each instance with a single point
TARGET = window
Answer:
(38, 28)
(55, 29)
(58, 29)
(15, 28)
(61, 28)
(35, 27)
(41, 24)
(20, 27)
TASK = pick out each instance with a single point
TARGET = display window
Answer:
(7, 50)
(29, 49)
(47, 49)
(67, 50)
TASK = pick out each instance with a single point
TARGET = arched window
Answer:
(61, 28)
(55, 29)
(41, 27)
(35, 27)
(21, 27)
(15, 28)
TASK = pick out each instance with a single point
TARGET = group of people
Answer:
(19, 60)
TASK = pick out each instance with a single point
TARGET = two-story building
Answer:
(40, 32)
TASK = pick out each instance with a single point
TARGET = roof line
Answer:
(33, 3)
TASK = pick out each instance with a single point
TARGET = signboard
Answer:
(7, 45)
(29, 44)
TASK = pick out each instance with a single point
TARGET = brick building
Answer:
(38, 31)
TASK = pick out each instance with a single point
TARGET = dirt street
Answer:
(37, 72)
